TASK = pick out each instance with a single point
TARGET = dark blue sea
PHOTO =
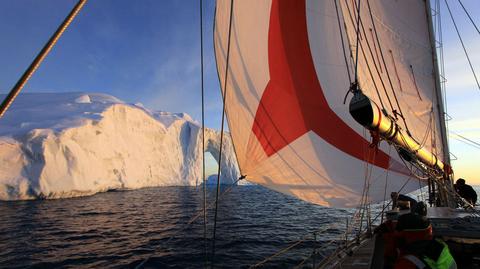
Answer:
(125, 228)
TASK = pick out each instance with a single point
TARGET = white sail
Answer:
(400, 59)
(287, 79)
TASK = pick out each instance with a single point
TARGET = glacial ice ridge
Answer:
(57, 145)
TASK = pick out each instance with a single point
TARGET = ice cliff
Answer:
(55, 145)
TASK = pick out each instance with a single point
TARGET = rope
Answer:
(313, 253)
(192, 219)
(368, 66)
(376, 52)
(221, 131)
(428, 131)
(279, 253)
(378, 68)
(442, 68)
(463, 45)
(467, 139)
(433, 176)
(289, 247)
(343, 43)
(358, 41)
(334, 254)
(386, 184)
(396, 70)
(203, 137)
(386, 69)
(369, 155)
(40, 57)
(466, 12)
(415, 82)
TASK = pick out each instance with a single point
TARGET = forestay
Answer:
(287, 81)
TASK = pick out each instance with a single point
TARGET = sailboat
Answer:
(337, 103)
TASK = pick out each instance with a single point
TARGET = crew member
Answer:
(402, 201)
(387, 232)
(466, 191)
(414, 226)
(417, 247)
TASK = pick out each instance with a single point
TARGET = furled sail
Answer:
(287, 79)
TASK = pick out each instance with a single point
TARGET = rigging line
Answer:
(454, 194)
(335, 255)
(377, 67)
(388, 204)
(442, 69)
(343, 43)
(463, 45)
(463, 137)
(373, 152)
(386, 183)
(395, 69)
(191, 221)
(366, 204)
(368, 66)
(435, 24)
(294, 244)
(364, 189)
(40, 57)
(419, 166)
(279, 253)
(466, 12)
(415, 83)
(466, 142)
(386, 69)
(369, 154)
(376, 51)
(203, 137)
(428, 131)
(422, 196)
(358, 41)
(328, 243)
(368, 201)
(214, 28)
(221, 131)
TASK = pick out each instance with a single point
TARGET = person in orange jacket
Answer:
(387, 231)
(416, 245)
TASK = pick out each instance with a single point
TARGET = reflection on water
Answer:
(120, 229)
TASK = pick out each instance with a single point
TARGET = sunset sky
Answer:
(148, 51)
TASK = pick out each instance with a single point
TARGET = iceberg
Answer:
(57, 145)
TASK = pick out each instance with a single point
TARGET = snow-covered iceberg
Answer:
(55, 145)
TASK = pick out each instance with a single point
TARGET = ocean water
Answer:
(125, 228)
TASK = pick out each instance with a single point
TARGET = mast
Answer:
(438, 89)
(446, 200)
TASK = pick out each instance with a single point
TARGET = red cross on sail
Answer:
(293, 102)
(286, 82)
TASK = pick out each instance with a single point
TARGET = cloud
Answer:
(175, 84)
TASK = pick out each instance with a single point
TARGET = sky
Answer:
(148, 51)
(463, 94)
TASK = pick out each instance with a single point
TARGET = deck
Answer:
(361, 257)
